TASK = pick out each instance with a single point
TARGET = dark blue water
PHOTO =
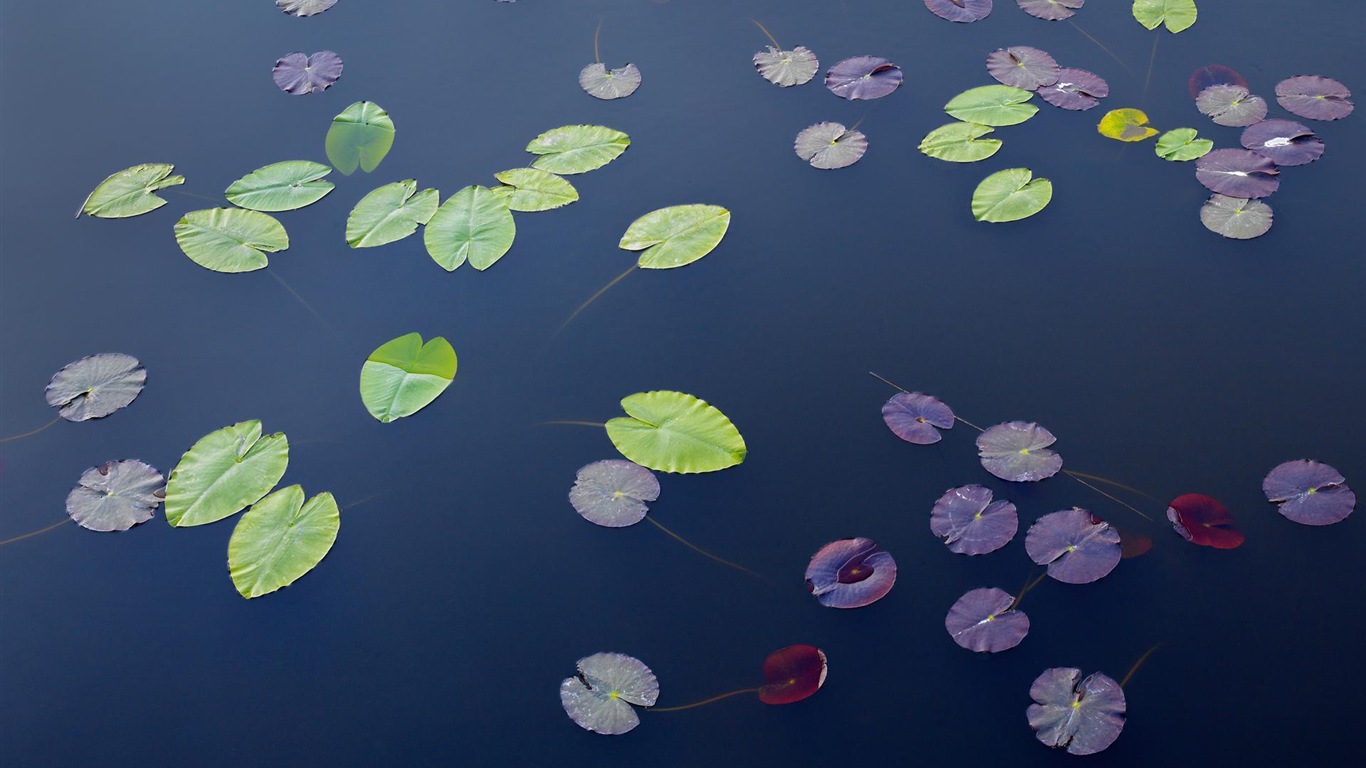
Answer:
(464, 588)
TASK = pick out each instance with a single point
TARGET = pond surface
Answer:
(463, 588)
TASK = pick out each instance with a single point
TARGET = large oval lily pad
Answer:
(359, 137)
(285, 186)
(1231, 105)
(1237, 173)
(1020, 66)
(676, 432)
(574, 149)
(1081, 716)
(130, 191)
(404, 375)
(863, 77)
(230, 239)
(970, 523)
(962, 11)
(1236, 217)
(600, 82)
(390, 213)
(1076, 90)
(1314, 97)
(1309, 492)
(1018, 451)
(984, 620)
(600, 696)
(1182, 145)
(1283, 142)
(298, 73)
(612, 493)
(994, 105)
(850, 573)
(532, 189)
(96, 386)
(1077, 547)
(225, 472)
(960, 143)
(677, 235)
(473, 225)
(916, 417)
(1010, 195)
(281, 538)
(830, 145)
(787, 68)
(1050, 10)
(115, 496)
(1176, 15)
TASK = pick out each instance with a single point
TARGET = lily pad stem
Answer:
(38, 532)
(32, 432)
(1138, 664)
(704, 701)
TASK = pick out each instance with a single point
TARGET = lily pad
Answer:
(404, 375)
(1283, 142)
(1202, 520)
(1081, 716)
(96, 386)
(1126, 125)
(1230, 105)
(994, 105)
(863, 77)
(600, 82)
(675, 236)
(1077, 547)
(970, 523)
(281, 538)
(1309, 493)
(1314, 97)
(130, 191)
(285, 186)
(613, 493)
(792, 674)
(359, 137)
(1010, 195)
(959, 143)
(600, 696)
(1236, 217)
(787, 68)
(390, 213)
(1020, 66)
(676, 432)
(984, 620)
(963, 11)
(1176, 15)
(1050, 10)
(1018, 451)
(531, 189)
(916, 417)
(1182, 145)
(473, 224)
(299, 74)
(1237, 173)
(1213, 74)
(224, 473)
(574, 149)
(830, 145)
(230, 239)
(1077, 90)
(850, 573)
(116, 496)
(304, 7)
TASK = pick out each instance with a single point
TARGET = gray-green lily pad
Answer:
(787, 68)
(285, 186)
(281, 538)
(1010, 195)
(390, 213)
(1230, 104)
(676, 432)
(130, 191)
(612, 493)
(304, 7)
(472, 225)
(960, 143)
(1235, 217)
(574, 149)
(230, 239)
(830, 145)
(225, 472)
(116, 496)
(1182, 145)
(600, 82)
(677, 235)
(532, 189)
(994, 105)
(404, 375)
(359, 137)
(96, 386)
(600, 696)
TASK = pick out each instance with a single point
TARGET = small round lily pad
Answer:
(612, 493)
(830, 145)
(116, 496)
(1309, 492)
(96, 386)
(984, 620)
(1077, 547)
(916, 417)
(600, 696)
(1018, 451)
(970, 523)
(600, 82)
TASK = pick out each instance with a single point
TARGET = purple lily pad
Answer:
(116, 496)
(970, 523)
(1237, 173)
(1231, 105)
(1077, 547)
(850, 573)
(1083, 717)
(1309, 493)
(983, 621)
(959, 10)
(1018, 451)
(612, 493)
(863, 77)
(1283, 142)
(298, 73)
(1050, 10)
(1315, 98)
(1023, 67)
(913, 416)
(1076, 90)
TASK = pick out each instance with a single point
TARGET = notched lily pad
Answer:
(281, 538)
(960, 143)
(404, 375)
(1230, 105)
(1050, 10)
(298, 73)
(96, 386)
(304, 7)
(1076, 90)
(1237, 173)
(531, 189)
(787, 68)
(830, 145)
(994, 105)
(613, 493)
(223, 473)
(676, 432)
(1081, 716)
(863, 77)
(600, 697)
(116, 496)
(1283, 142)
(675, 236)
(916, 417)
(985, 620)
(1077, 547)
(962, 11)
(1177, 15)
(1236, 217)
(390, 213)
(285, 186)
(1126, 125)
(1020, 66)
(970, 523)
(473, 225)
(1309, 492)
(230, 239)
(130, 191)
(600, 82)
(1182, 145)
(850, 573)
(574, 149)
(359, 137)
(1010, 195)
(1018, 451)
(1314, 97)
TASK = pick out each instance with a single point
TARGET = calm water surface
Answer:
(464, 588)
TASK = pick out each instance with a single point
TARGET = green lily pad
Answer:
(1181, 145)
(224, 473)
(1010, 195)
(1177, 15)
(958, 143)
(359, 137)
(531, 189)
(1125, 125)
(574, 149)
(285, 186)
(994, 105)
(390, 213)
(404, 375)
(675, 236)
(230, 239)
(473, 224)
(676, 432)
(280, 539)
(129, 192)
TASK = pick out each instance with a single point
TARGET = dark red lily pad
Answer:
(1076, 89)
(1237, 173)
(913, 417)
(1315, 98)
(1283, 142)
(1203, 520)
(850, 573)
(793, 673)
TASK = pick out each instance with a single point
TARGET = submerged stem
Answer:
(596, 58)
(1147, 80)
(1099, 44)
(592, 299)
(703, 552)
(702, 702)
(576, 422)
(1108, 481)
(1033, 582)
(40, 531)
(970, 424)
(31, 433)
(768, 34)
(889, 382)
(1138, 664)
(1116, 500)
(296, 295)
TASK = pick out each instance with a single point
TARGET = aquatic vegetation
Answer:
(390, 213)
(1314, 97)
(1083, 716)
(116, 496)
(916, 417)
(285, 186)
(963, 11)
(96, 386)
(130, 191)
(1010, 195)
(230, 239)
(281, 538)
(1202, 520)
(1213, 74)
(1050, 10)
(1231, 105)
(960, 143)
(613, 493)
(1182, 145)
(1237, 173)
(675, 236)
(792, 674)
(1020, 66)
(970, 523)
(404, 375)
(785, 68)
(600, 697)
(602, 83)
(985, 620)
(993, 105)
(359, 137)
(473, 225)
(298, 73)
(1126, 125)
(1076, 90)
(1309, 493)
(675, 432)
(1176, 15)
(830, 145)
(863, 77)
(572, 149)
(1077, 547)
(304, 7)
(1236, 217)
(1283, 142)
(850, 573)
(531, 189)
(223, 473)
